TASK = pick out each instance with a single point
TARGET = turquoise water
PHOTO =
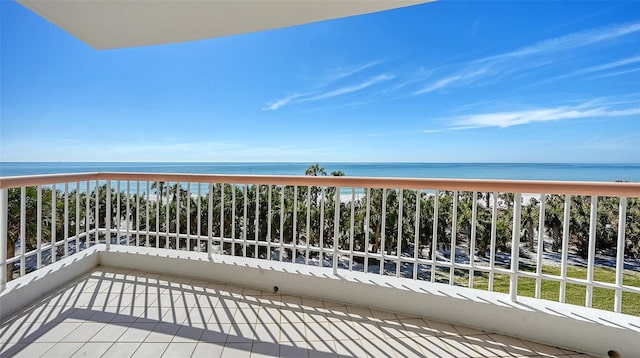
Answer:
(524, 171)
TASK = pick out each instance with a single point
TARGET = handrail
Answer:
(44, 179)
(514, 186)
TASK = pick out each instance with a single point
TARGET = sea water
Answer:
(515, 171)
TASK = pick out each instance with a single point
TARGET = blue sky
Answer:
(450, 81)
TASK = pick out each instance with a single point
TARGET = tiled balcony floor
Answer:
(117, 313)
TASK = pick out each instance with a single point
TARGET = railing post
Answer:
(4, 212)
(336, 231)
(107, 214)
(622, 223)
(515, 247)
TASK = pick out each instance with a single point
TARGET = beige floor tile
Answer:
(121, 349)
(351, 348)
(322, 348)
(484, 345)
(199, 314)
(110, 333)
(432, 347)
(458, 346)
(292, 332)
(163, 332)
(294, 350)
(512, 345)
(179, 350)
(377, 348)
(175, 314)
(383, 315)
(468, 331)
(84, 332)
(222, 315)
(57, 332)
(393, 329)
(63, 350)
(269, 315)
(367, 330)
(188, 334)
(404, 347)
(358, 312)
(137, 332)
(241, 333)
(343, 330)
(92, 349)
(291, 315)
(246, 315)
(318, 332)
(269, 333)
(209, 350)
(263, 349)
(29, 350)
(150, 350)
(215, 334)
(237, 350)
(441, 328)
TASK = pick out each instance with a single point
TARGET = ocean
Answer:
(516, 171)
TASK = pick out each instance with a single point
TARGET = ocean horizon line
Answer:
(314, 162)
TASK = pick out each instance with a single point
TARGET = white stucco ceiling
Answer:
(105, 24)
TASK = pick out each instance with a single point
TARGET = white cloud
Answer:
(531, 57)
(598, 68)
(452, 79)
(572, 41)
(315, 96)
(349, 89)
(618, 73)
(332, 76)
(275, 104)
(606, 66)
(338, 74)
(515, 118)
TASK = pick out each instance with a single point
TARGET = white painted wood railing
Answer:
(476, 233)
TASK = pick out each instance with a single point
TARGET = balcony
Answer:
(149, 264)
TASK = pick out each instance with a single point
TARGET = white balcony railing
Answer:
(573, 242)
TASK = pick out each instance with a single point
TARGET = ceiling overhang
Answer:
(106, 24)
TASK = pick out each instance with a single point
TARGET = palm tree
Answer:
(31, 221)
(315, 170)
(529, 221)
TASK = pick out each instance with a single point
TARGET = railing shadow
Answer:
(219, 313)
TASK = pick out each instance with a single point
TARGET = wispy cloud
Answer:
(572, 41)
(349, 89)
(614, 64)
(617, 73)
(443, 82)
(515, 118)
(530, 58)
(275, 104)
(598, 68)
(340, 73)
(319, 95)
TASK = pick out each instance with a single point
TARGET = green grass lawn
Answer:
(575, 294)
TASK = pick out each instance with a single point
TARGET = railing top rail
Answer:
(44, 179)
(483, 185)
